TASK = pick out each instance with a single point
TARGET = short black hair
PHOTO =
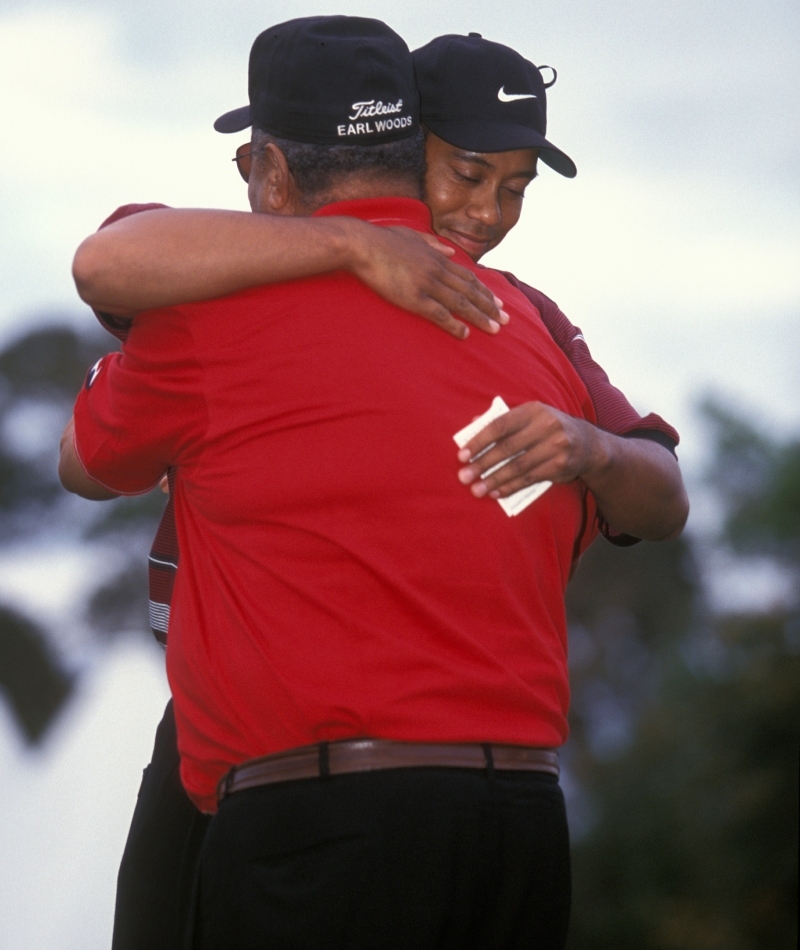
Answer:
(318, 168)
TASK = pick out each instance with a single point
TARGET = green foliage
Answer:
(43, 369)
(656, 584)
(128, 517)
(624, 604)
(693, 843)
(121, 603)
(760, 483)
(32, 679)
(40, 375)
(695, 846)
(50, 362)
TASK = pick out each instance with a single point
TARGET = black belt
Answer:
(369, 755)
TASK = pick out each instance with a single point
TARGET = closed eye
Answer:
(467, 178)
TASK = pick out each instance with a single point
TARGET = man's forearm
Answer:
(637, 483)
(638, 487)
(171, 256)
(164, 257)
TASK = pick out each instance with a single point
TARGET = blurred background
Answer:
(677, 252)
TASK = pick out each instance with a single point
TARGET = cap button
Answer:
(477, 35)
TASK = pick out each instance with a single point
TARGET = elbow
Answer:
(85, 272)
(682, 517)
(63, 474)
(93, 271)
(676, 520)
(69, 480)
(78, 483)
(66, 451)
(70, 473)
(675, 505)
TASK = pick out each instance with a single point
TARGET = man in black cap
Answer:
(484, 97)
(517, 92)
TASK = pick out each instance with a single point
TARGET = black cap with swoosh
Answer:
(485, 97)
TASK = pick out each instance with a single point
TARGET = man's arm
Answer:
(635, 479)
(139, 412)
(613, 411)
(636, 483)
(159, 258)
(73, 475)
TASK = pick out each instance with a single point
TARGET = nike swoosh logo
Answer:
(504, 96)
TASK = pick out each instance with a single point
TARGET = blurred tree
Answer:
(625, 607)
(693, 839)
(50, 362)
(32, 678)
(759, 481)
(120, 603)
(40, 374)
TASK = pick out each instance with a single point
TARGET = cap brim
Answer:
(234, 121)
(501, 137)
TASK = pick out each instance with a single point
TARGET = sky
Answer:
(676, 250)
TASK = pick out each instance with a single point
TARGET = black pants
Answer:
(160, 857)
(412, 859)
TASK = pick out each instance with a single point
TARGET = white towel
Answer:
(520, 500)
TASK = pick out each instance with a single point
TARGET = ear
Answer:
(271, 188)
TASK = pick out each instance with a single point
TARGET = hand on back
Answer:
(413, 271)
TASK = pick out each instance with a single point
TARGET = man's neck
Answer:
(365, 186)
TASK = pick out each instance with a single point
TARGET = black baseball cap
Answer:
(329, 80)
(485, 97)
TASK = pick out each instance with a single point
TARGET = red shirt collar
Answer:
(386, 211)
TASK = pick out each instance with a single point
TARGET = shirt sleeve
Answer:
(119, 327)
(614, 413)
(141, 411)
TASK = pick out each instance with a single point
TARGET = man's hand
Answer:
(636, 483)
(412, 271)
(548, 444)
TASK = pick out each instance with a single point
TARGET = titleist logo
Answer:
(364, 110)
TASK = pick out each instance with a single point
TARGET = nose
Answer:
(485, 207)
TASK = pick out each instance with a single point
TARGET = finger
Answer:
(512, 432)
(464, 302)
(506, 480)
(437, 245)
(497, 456)
(494, 472)
(442, 317)
(466, 283)
(517, 484)
(463, 309)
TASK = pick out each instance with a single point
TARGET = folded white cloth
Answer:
(520, 500)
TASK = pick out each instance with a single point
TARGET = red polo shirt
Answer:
(336, 579)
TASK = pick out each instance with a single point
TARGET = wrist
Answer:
(350, 245)
(600, 455)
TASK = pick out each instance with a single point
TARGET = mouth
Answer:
(471, 244)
